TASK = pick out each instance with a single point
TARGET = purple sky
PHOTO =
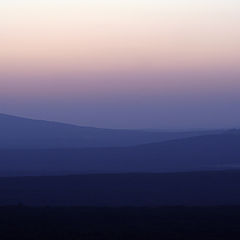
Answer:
(122, 64)
(204, 101)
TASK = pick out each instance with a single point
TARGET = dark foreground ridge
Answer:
(75, 223)
(187, 189)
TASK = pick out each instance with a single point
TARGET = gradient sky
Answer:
(122, 63)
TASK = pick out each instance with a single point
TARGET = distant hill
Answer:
(186, 189)
(209, 152)
(16, 132)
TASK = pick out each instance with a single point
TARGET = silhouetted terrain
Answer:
(193, 188)
(30, 147)
(220, 151)
(188, 223)
(25, 133)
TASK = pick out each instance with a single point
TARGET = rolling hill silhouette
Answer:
(221, 151)
(17, 132)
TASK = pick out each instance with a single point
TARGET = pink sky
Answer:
(103, 54)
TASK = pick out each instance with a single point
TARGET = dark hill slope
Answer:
(198, 153)
(16, 132)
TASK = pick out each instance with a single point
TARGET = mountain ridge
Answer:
(209, 152)
(18, 132)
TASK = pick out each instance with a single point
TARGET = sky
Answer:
(122, 63)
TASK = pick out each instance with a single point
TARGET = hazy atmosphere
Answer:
(122, 64)
(119, 119)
